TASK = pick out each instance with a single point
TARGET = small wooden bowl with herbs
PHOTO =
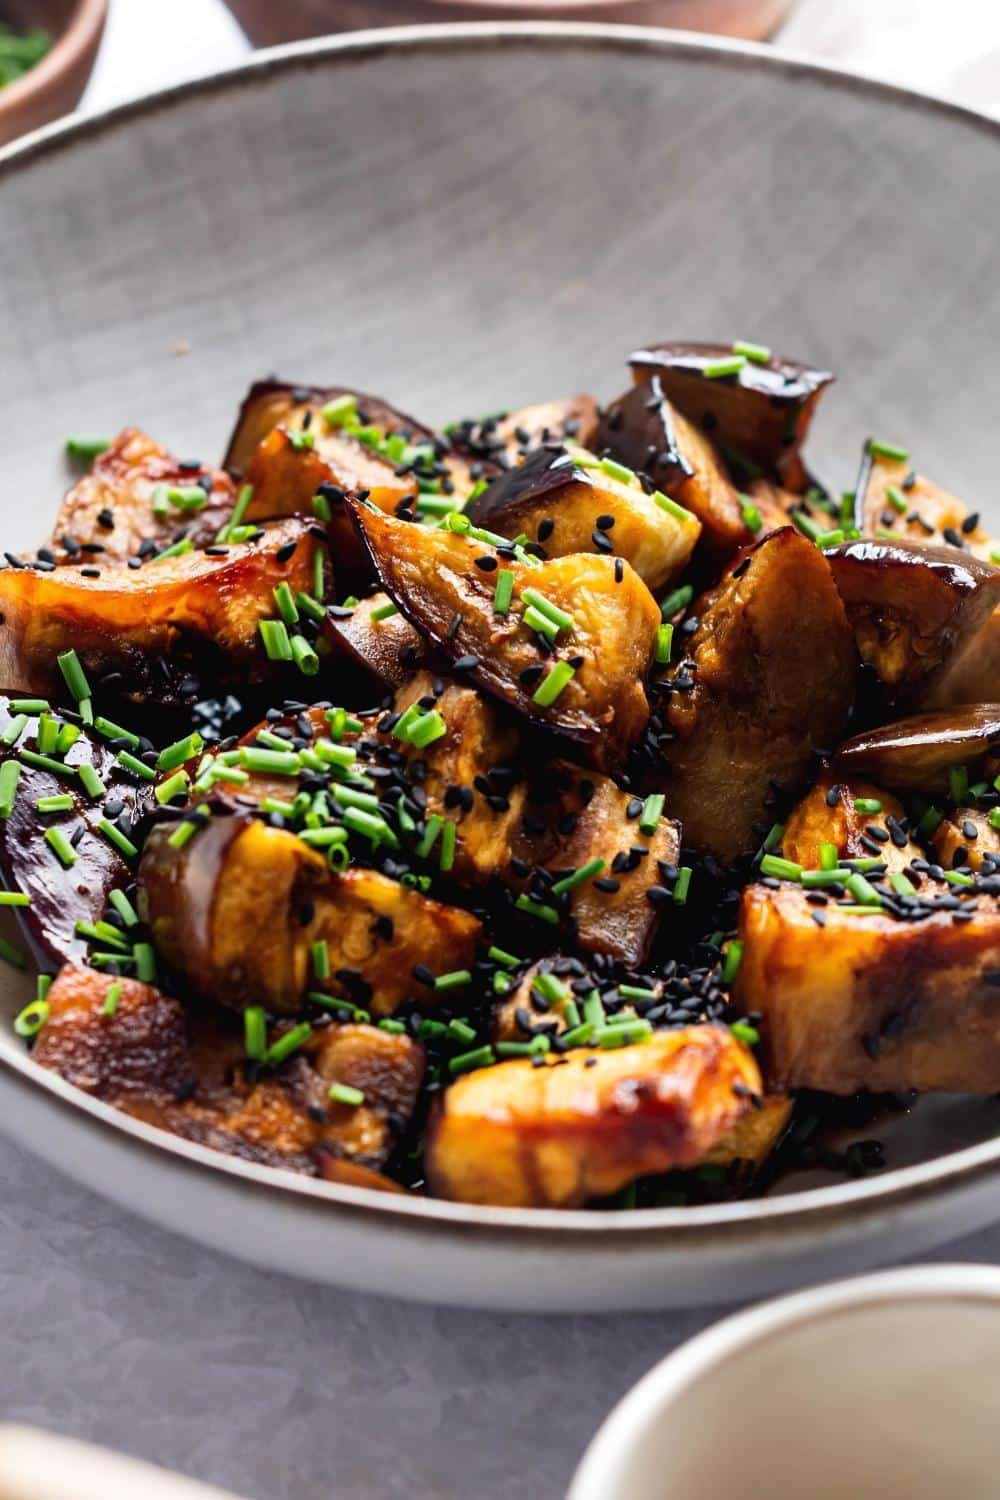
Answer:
(47, 52)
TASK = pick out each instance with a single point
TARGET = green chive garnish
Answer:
(560, 619)
(124, 908)
(289, 1043)
(55, 804)
(73, 674)
(14, 898)
(537, 909)
(114, 835)
(867, 805)
(652, 812)
(758, 354)
(10, 773)
(828, 856)
(32, 1018)
(731, 961)
(341, 412)
(383, 611)
(61, 847)
(682, 885)
(617, 471)
(342, 1093)
(456, 980)
(28, 705)
(664, 643)
(864, 893)
(468, 1062)
(269, 762)
(111, 731)
(887, 450)
(744, 1032)
(274, 634)
(896, 498)
(503, 592)
(112, 999)
(678, 600)
(180, 751)
(85, 448)
(780, 869)
(752, 518)
(554, 682)
(304, 657)
(671, 507)
(138, 767)
(570, 882)
(449, 837)
(172, 787)
(718, 369)
(255, 1032)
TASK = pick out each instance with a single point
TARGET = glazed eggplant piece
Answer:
(286, 473)
(64, 888)
(194, 1080)
(502, 442)
(872, 1001)
(917, 754)
(575, 819)
(972, 674)
(559, 1135)
(570, 502)
(138, 494)
(588, 686)
(858, 818)
(238, 909)
(752, 1140)
(161, 633)
(385, 648)
(891, 496)
(967, 840)
(759, 414)
(767, 679)
(912, 607)
(643, 431)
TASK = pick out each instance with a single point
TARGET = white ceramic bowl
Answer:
(36, 1465)
(883, 1388)
(457, 217)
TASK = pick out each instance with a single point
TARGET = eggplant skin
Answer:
(916, 754)
(871, 1002)
(560, 1135)
(762, 414)
(387, 652)
(972, 674)
(270, 403)
(642, 430)
(770, 676)
(190, 1077)
(237, 910)
(435, 578)
(62, 897)
(178, 620)
(560, 501)
(912, 607)
(112, 505)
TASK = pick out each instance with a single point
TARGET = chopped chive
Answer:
(954, 878)
(341, 412)
(929, 823)
(676, 601)
(958, 783)
(255, 1032)
(384, 611)
(48, 734)
(578, 1035)
(537, 909)
(503, 592)
(112, 999)
(780, 869)
(636, 992)
(85, 448)
(177, 550)
(32, 1018)
(172, 787)
(806, 525)
(554, 682)
(322, 509)
(449, 837)
(145, 962)
(114, 835)
(369, 826)
(732, 960)
(896, 498)
(45, 763)
(28, 705)
(718, 369)
(73, 674)
(12, 733)
(615, 470)
(10, 773)
(43, 984)
(289, 1043)
(468, 1062)
(14, 898)
(758, 354)
(343, 1093)
(64, 803)
(138, 767)
(752, 518)
(320, 954)
(67, 738)
(523, 1049)
(124, 908)
(545, 607)
(867, 805)
(862, 891)
(570, 882)
(310, 607)
(61, 847)
(902, 884)
(830, 538)
(664, 643)
(239, 511)
(187, 497)
(395, 1028)
(535, 620)
(506, 960)
(682, 885)
(814, 880)
(159, 501)
(671, 507)
(285, 600)
(744, 1032)
(828, 856)
(432, 828)
(430, 727)
(887, 450)
(622, 1035)
(304, 657)
(274, 635)
(111, 731)
(461, 1031)
(551, 988)
(269, 762)
(652, 812)
(182, 750)
(184, 833)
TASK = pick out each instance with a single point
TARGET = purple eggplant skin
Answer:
(760, 415)
(639, 430)
(916, 754)
(60, 897)
(544, 476)
(913, 608)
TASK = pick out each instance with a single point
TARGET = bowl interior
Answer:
(887, 1395)
(463, 220)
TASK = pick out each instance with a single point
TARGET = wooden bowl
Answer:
(267, 23)
(54, 86)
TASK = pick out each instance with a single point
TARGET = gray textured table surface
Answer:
(122, 1334)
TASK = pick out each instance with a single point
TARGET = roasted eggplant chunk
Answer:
(759, 414)
(872, 1001)
(860, 821)
(753, 1139)
(383, 646)
(557, 1135)
(570, 502)
(162, 633)
(239, 909)
(972, 674)
(912, 607)
(768, 677)
(917, 754)
(194, 1080)
(137, 496)
(66, 859)
(502, 442)
(642, 430)
(287, 473)
(576, 821)
(967, 840)
(584, 679)
(892, 496)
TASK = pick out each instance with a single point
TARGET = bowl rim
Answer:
(699, 1358)
(797, 1215)
(68, 51)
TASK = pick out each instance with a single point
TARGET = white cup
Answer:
(885, 1387)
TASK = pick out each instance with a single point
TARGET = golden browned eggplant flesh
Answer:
(562, 808)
